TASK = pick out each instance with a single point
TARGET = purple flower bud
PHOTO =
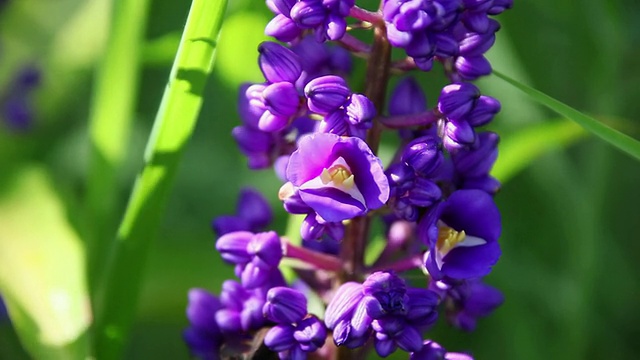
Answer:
(266, 249)
(280, 338)
(498, 6)
(423, 155)
(477, 161)
(343, 304)
(420, 46)
(360, 109)
(476, 21)
(285, 305)
(460, 133)
(476, 44)
(424, 63)
(253, 207)
(233, 246)
(335, 27)
(282, 28)
(335, 123)
(424, 193)
(282, 6)
(384, 345)
(229, 321)
(396, 37)
(483, 112)
(456, 100)
(270, 122)
(445, 45)
(471, 68)
(201, 310)
(310, 334)
(282, 98)
(407, 98)
(278, 63)
(388, 290)
(326, 94)
(308, 13)
(251, 104)
(398, 175)
(422, 305)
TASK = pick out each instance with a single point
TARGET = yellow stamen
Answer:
(339, 174)
(448, 239)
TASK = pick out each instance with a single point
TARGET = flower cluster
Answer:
(433, 199)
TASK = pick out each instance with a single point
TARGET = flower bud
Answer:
(483, 112)
(471, 68)
(360, 109)
(423, 155)
(308, 14)
(407, 98)
(326, 94)
(285, 305)
(456, 100)
(282, 28)
(278, 63)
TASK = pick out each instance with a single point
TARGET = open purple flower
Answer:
(338, 177)
(462, 234)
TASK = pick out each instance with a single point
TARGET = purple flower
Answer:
(203, 336)
(253, 213)
(462, 234)
(407, 98)
(469, 300)
(338, 177)
(278, 63)
(285, 305)
(256, 255)
(382, 306)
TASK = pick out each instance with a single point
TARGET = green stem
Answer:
(172, 129)
(109, 125)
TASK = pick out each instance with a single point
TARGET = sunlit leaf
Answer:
(612, 136)
(42, 269)
(519, 150)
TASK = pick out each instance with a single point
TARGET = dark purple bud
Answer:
(407, 98)
(313, 54)
(384, 345)
(326, 94)
(226, 224)
(399, 174)
(252, 140)
(409, 339)
(420, 46)
(404, 210)
(282, 98)
(251, 317)
(483, 112)
(476, 21)
(232, 295)
(282, 28)
(280, 338)
(335, 123)
(266, 249)
(308, 14)
(460, 133)
(476, 44)
(422, 305)
(285, 305)
(412, 18)
(228, 321)
(424, 193)
(310, 334)
(253, 207)
(424, 63)
(278, 63)
(233, 246)
(471, 68)
(340, 60)
(360, 109)
(310, 228)
(456, 100)
(282, 6)
(423, 155)
(498, 6)
(477, 161)
(445, 45)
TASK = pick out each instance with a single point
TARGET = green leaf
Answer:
(172, 129)
(42, 269)
(519, 150)
(608, 134)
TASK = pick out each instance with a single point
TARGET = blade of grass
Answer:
(172, 129)
(623, 142)
(109, 126)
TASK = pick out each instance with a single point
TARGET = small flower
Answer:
(462, 234)
(252, 214)
(338, 177)
(285, 305)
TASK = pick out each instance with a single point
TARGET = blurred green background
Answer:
(569, 269)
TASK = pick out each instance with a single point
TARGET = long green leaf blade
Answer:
(623, 142)
(172, 129)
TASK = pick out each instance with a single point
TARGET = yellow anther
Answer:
(339, 174)
(448, 239)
